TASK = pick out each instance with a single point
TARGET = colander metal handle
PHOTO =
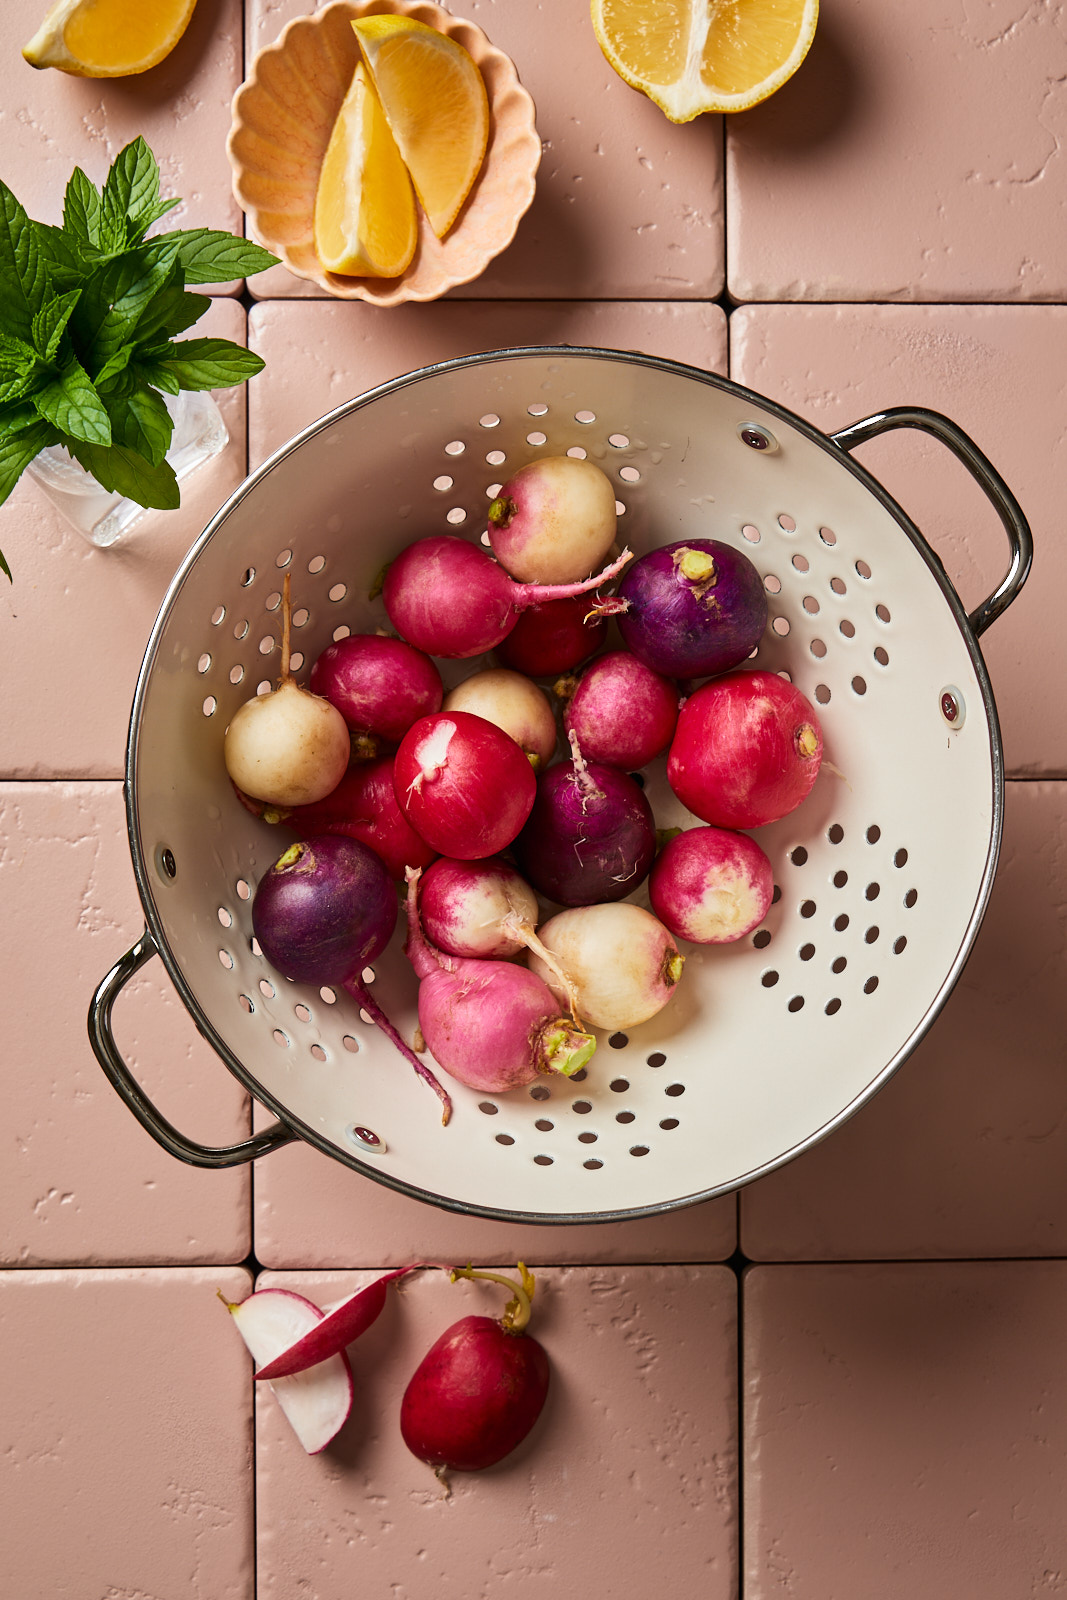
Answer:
(152, 1120)
(985, 475)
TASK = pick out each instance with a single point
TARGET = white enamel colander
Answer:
(882, 875)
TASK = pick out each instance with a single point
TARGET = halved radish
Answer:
(316, 1402)
(339, 1326)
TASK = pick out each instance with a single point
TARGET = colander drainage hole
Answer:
(266, 989)
(871, 935)
(674, 1090)
(835, 833)
(592, 1166)
(841, 922)
(539, 409)
(226, 959)
(806, 952)
(328, 995)
(543, 1161)
(772, 584)
(280, 1039)
(582, 1107)
(668, 1123)
(543, 1125)
(874, 833)
(798, 856)
(587, 1138)
(911, 897)
(577, 452)
(625, 1116)
(245, 1003)
(618, 1041)
(283, 558)
(832, 1007)
(639, 1149)
(302, 1012)
(538, 1093)
(490, 420)
(901, 858)
(350, 1044)
(768, 981)
(504, 1138)
(817, 648)
(536, 438)
(619, 1085)
(838, 585)
(822, 694)
(871, 985)
(899, 945)
(316, 564)
(797, 1003)
(840, 879)
(751, 533)
(786, 523)
(808, 908)
(488, 1108)
(657, 1059)
(839, 964)
(872, 891)
(318, 1052)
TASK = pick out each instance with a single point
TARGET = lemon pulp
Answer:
(365, 223)
(108, 38)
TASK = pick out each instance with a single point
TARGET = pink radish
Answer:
(622, 712)
(711, 885)
(552, 637)
(590, 836)
(747, 750)
(287, 747)
(451, 599)
(622, 961)
(317, 1402)
(691, 609)
(554, 520)
(337, 1329)
(488, 1024)
(364, 806)
(463, 784)
(513, 703)
(480, 1388)
(380, 685)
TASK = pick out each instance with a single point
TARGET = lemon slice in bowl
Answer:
(365, 222)
(435, 102)
(689, 56)
(108, 38)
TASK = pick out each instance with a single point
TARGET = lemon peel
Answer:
(108, 38)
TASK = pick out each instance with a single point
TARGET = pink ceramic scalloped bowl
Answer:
(282, 118)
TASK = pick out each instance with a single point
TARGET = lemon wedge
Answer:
(435, 102)
(691, 56)
(108, 38)
(365, 222)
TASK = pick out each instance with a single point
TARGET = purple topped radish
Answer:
(623, 712)
(553, 521)
(692, 609)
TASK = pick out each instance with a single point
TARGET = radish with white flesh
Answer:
(321, 913)
(363, 806)
(379, 685)
(691, 609)
(554, 520)
(338, 1328)
(451, 599)
(622, 961)
(551, 637)
(711, 885)
(288, 747)
(622, 711)
(591, 835)
(463, 784)
(480, 1388)
(513, 703)
(488, 1024)
(746, 751)
(483, 910)
(316, 1402)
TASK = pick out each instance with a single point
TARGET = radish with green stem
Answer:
(622, 961)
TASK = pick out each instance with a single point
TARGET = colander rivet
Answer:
(168, 863)
(366, 1139)
(952, 706)
(755, 437)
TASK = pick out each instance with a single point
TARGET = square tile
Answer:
(88, 612)
(905, 1430)
(601, 142)
(83, 1183)
(126, 1435)
(963, 1152)
(996, 371)
(638, 1432)
(917, 154)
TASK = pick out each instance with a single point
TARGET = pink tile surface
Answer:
(334, 351)
(126, 1436)
(631, 1464)
(81, 1181)
(997, 372)
(601, 141)
(53, 121)
(905, 1431)
(963, 1153)
(88, 612)
(918, 154)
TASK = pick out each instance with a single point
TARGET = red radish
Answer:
(591, 835)
(364, 806)
(489, 1024)
(623, 712)
(620, 958)
(554, 520)
(711, 885)
(480, 1388)
(287, 747)
(451, 599)
(378, 684)
(747, 750)
(513, 703)
(551, 637)
(463, 784)
(337, 1329)
(316, 1402)
(324, 910)
(691, 609)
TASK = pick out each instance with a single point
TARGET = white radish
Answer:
(554, 520)
(315, 1402)
(515, 704)
(622, 961)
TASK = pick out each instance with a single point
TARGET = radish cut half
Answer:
(316, 1402)
(337, 1328)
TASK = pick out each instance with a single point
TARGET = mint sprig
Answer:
(89, 318)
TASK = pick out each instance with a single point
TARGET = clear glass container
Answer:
(103, 518)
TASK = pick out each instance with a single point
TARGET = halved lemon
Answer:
(435, 102)
(108, 38)
(365, 222)
(691, 56)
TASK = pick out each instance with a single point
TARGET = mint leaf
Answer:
(82, 210)
(18, 362)
(122, 471)
(171, 311)
(51, 320)
(209, 363)
(71, 404)
(114, 366)
(139, 419)
(112, 303)
(154, 212)
(62, 256)
(16, 453)
(15, 417)
(22, 271)
(211, 257)
(131, 188)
